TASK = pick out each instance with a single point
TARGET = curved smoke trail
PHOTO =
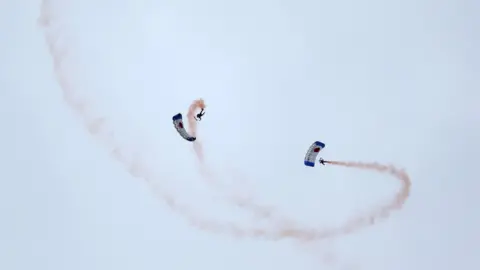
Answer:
(350, 226)
(246, 203)
(98, 127)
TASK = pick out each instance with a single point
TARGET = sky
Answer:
(387, 81)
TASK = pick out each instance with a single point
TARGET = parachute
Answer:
(312, 153)
(178, 123)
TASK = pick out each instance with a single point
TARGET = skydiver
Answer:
(322, 161)
(199, 115)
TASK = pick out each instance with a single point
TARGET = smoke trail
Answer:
(244, 202)
(267, 212)
(399, 199)
(354, 224)
(98, 127)
(192, 124)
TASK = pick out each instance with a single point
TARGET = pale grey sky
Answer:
(388, 81)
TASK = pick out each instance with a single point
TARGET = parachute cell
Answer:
(178, 123)
(312, 153)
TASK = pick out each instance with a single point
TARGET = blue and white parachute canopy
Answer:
(178, 123)
(312, 153)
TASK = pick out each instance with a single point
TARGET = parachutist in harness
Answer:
(322, 161)
(199, 115)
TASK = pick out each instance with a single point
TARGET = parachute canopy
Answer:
(312, 153)
(178, 123)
